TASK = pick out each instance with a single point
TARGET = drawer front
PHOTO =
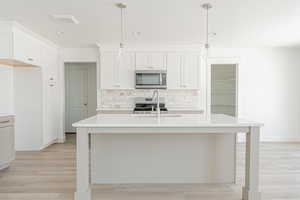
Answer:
(7, 149)
(6, 121)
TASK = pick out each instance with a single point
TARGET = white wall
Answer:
(6, 88)
(79, 54)
(269, 89)
(28, 108)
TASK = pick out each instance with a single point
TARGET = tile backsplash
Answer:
(123, 99)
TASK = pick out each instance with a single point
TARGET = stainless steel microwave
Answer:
(151, 79)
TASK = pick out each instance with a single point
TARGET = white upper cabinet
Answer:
(151, 60)
(18, 48)
(174, 76)
(126, 74)
(116, 73)
(184, 70)
(191, 70)
(107, 70)
(26, 48)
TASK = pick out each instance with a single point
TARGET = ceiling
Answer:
(237, 23)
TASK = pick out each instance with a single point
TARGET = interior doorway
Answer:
(80, 93)
(224, 84)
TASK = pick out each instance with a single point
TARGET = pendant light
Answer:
(207, 7)
(121, 6)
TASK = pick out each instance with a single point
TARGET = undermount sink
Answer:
(155, 115)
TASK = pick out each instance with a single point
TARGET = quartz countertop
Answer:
(177, 110)
(169, 108)
(166, 120)
(6, 115)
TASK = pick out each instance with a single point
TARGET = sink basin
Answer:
(155, 115)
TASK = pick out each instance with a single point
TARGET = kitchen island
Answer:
(170, 125)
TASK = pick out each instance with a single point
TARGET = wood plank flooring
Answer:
(50, 175)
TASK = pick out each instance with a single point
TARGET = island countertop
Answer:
(166, 120)
(6, 115)
(168, 124)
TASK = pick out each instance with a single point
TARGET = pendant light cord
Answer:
(207, 32)
(122, 28)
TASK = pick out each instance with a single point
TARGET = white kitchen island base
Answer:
(186, 125)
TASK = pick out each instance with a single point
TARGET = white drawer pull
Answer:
(3, 122)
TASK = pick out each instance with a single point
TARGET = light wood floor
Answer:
(50, 175)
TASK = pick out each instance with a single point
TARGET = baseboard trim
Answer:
(48, 144)
(61, 141)
(4, 166)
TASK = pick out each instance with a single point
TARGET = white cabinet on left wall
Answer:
(37, 102)
(35, 80)
(18, 48)
(117, 72)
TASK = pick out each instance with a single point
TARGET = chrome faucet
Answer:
(156, 93)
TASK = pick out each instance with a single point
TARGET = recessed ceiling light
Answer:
(70, 19)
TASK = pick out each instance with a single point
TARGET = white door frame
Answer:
(62, 136)
(222, 61)
(86, 66)
(83, 70)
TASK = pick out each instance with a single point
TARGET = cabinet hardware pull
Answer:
(3, 122)
(30, 59)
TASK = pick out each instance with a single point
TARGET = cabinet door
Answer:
(126, 72)
(117, 72)
(158, 60)
(191, 71)
(143, 60)
(183, 71)
(6, 145)
(107, 70)
(6, 46)
(150, 60)
(26, 48)
(174, 77)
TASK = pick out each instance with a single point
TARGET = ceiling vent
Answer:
(67, 19)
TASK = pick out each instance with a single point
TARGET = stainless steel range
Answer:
(148, 105)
